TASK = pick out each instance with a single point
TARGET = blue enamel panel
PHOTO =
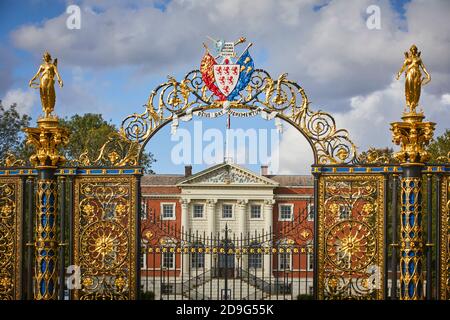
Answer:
(42, 287)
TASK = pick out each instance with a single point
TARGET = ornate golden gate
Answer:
(357, 253)
(11, 234)
(351, 236)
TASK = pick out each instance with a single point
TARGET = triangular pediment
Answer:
(227, 174)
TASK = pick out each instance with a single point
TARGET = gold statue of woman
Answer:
(414, 81)
(46, 85)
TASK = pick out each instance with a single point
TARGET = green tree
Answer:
(440, 147)
(12, 137)
(378, 156)
(89, 132)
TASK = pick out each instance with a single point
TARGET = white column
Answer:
(268, 226)
(268, 215)
(211, 216)
(241, 212)
(185, 214)
(185, 227)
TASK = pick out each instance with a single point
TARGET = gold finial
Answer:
(46, 73)
(414, 81)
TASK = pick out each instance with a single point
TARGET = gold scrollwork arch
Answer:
(174, 101)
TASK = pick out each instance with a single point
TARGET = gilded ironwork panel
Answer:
(257, 94)
(445, 240)
(350, 257)
(10, 238)
(46, 244)
(411, 244)
(105, 234)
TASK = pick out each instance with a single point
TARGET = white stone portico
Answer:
(248, 203)
(232, 186)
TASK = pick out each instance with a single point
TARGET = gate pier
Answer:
(46, 139)
(412, 134)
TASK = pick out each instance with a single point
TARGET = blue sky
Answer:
(126, 48)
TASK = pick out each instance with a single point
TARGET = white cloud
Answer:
(294, 153)
(79, 95)
(344, 67)
(445, 99)
(330, 51)
(25, 99)
(368, 121)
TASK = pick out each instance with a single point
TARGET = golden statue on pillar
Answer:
(47, 72)
(414, 81)
(412, 134)
(48, 136)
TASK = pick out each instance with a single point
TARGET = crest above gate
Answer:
(228, 78)
(228, 84)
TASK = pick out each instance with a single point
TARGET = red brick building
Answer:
(256, 211)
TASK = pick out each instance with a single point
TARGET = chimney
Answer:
(188, 171)
(264, 170)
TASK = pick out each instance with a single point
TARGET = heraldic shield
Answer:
(227, 79)
(226, 76)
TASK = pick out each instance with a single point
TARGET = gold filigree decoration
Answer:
(105, 233)
(47, 139)
(281, 97)
(444, 263)
(375, 156)
(117, 151)
(10, 238)
(350, 237)
(443, 159)
(411, 242)
(46, 245)
(104, 245)
(11, 160)
(350, 245)
(412, 134)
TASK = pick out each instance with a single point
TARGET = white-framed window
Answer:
(255, 211)
(198, 258)
(255, 257)
(310, 212)
(344, 212)
(167, 211)
(227, 211)
(144, 260)
(167, 288)
(168, 260)
(198, 211)
(144, 210)
(284, 261)
(285, 212)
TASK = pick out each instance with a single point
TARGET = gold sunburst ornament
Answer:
(104, 245)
